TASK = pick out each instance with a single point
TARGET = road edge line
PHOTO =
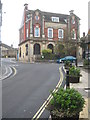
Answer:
(42, 108)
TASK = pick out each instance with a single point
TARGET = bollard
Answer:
(67, 79)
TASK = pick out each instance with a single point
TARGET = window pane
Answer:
(60, 33)
(36, 32)
(26, 49)
(73, 34)
(55, 19)
(50, 33)
(27, 32)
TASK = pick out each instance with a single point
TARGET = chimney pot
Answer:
(71, 11)
(26, 6)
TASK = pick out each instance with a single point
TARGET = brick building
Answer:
(41, 30)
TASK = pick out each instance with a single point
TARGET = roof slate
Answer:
(48, 16)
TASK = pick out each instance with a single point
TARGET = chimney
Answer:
(26, 6)
(11, 45)
(71, 12)
(83, 34)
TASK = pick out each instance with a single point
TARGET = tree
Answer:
(70, 48)
(83, 45)
(59, 49)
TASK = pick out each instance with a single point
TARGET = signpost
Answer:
(0, 34)
(0, 62)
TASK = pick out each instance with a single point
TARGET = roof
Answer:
(48, 15)
(6, 46)
(62, 16)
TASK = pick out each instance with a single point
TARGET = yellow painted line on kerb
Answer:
(42, 108)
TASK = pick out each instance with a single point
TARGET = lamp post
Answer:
(0, 38)
(0, 62)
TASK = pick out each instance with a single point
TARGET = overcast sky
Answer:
(14, 10)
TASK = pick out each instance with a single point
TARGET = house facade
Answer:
(8, 51)
(41, 30)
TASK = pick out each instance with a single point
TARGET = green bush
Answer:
(73, 71)
(67, 63)
(86, 62)
(67, 102)
(47, 53)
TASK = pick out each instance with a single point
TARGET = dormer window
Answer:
(55, 19)
(65, 20)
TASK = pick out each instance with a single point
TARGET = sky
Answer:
(13, 10)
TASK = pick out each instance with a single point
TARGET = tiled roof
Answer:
(48, 15)
(6, 46)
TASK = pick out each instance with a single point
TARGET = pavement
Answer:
(84, 88)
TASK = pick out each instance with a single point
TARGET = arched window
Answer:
(26, 49)
(60, 33)
(20, 52)
(36, 49)
(50, 32)
(50, 46)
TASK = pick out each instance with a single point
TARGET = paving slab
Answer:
(82, 87)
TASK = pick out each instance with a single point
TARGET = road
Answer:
(25, 92)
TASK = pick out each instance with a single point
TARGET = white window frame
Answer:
(62, 33)
(27, 32)
(74, 34)
(48, 32)
(35, 32)
(55, 19)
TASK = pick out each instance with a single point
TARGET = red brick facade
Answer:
(46, 28)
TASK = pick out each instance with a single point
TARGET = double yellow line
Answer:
(42, 108)
(15, 71)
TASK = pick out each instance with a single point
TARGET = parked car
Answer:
(67, 58)
(61, 60)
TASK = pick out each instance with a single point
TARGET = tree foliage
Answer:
(65, 48)
(59, 49)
